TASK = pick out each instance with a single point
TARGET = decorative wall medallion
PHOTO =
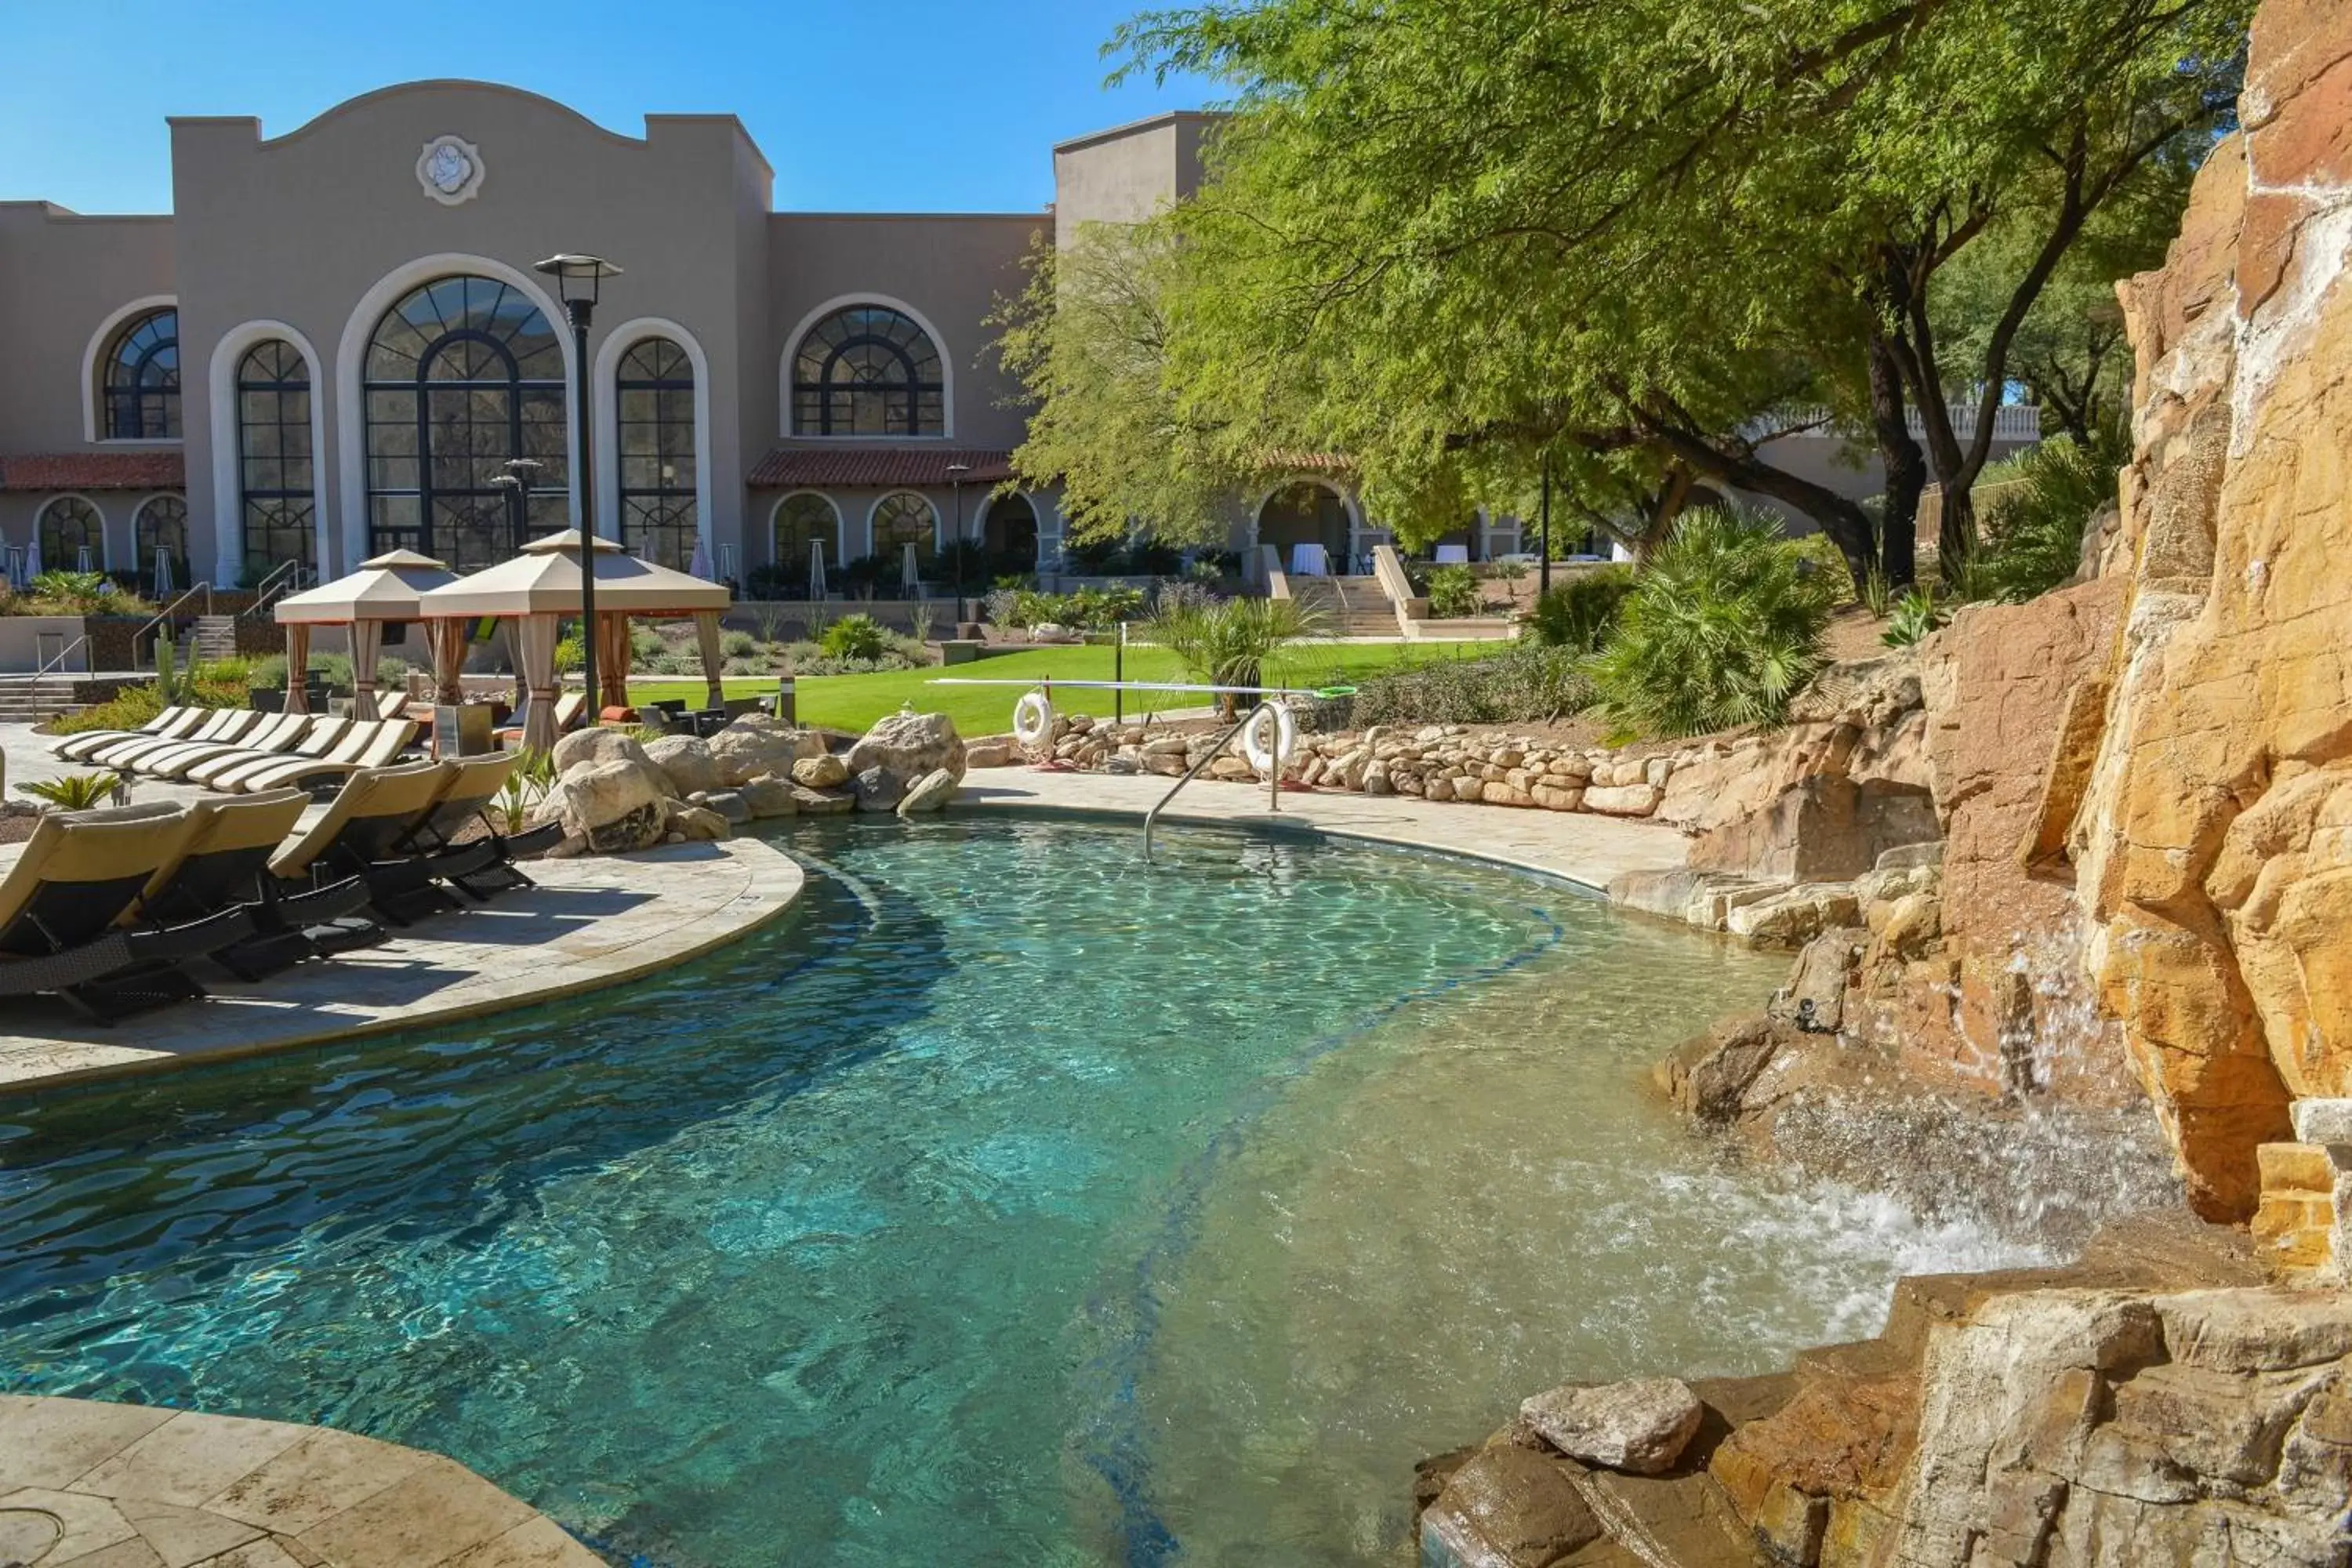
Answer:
(450, 169)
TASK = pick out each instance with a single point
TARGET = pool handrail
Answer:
(1274, 787)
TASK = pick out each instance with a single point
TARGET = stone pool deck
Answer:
(1576, 845)
(93, 1485)
(589, 923)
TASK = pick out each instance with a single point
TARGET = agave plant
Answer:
(1722, 627)
(1915, 616)
(1228, 644)
(526, 786)
(74, 792)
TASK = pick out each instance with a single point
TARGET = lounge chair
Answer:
(276, 734)
(171, 724)
(66, 924)
(568, 709)
(221, 724)
(223, 863)
(369, 831)
(473, 784)
(323, 735)
(364, 747)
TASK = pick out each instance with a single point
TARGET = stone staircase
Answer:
(1347, 607)
(28, 699)
(216, 637)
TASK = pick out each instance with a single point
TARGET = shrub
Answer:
(73, 791)
(1151, 558)
(1530, 683)
(1721, 630)
(1453, 592)
(1582, 613)
(731, 645)
(1512, 571)
(126, 710)
(855, 636)
(644, 642)
(571, 654)
(999, 605)
(2034, 533)
(1228, 644)
(1915, 616)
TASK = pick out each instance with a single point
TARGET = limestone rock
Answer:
(755, 745)
(728, 804)
(695, 824)
(1706, 1075)
(1509, 1506)
(769, 798)
(878, 789)
(827, 772)
(688, 762)
(807, 802)
(1640, 1426)
(614, 806)
(594, 744)
(930, 793)
(1815, 998)
(990, 754)
(1622, 800)
(1796, 917)
(909, 745)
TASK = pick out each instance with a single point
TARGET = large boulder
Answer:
(770, 797)
(756, 745)
(692, 770)
(610, 808)
(879, 789)
(931, 793)
(1640, 1426)
(908, 745)
(695, 824)
(1509, 1506)
(807, 802)
(820, 773)
(595, 745)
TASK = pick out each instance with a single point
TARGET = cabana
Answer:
(385, 589)
(540, 586)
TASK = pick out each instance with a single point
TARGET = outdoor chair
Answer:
(220, 724)
(365, 746)
(276, 734)
(568, 709)
(171, 724)
(67, 914)
(369, 831)
(322, 736)
(473, 784)
(223, 863)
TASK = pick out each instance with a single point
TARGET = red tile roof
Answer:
(875, 467)
(152, 470)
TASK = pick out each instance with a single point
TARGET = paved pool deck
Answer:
(95, 1485)
(1578, 846)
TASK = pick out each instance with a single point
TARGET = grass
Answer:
(856, 701)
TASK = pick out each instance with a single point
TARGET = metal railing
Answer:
(1274, 774)
(166, 615)
(54, 663)
(282, 579)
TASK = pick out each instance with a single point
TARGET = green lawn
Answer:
(854, 701)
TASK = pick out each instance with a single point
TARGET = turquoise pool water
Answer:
(1012, 1202)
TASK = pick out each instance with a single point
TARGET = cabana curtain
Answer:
(538, 638)
(706, 635)
(298, 669)
(367, 646)
(448, 659)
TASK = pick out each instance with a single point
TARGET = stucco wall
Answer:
(61, 275)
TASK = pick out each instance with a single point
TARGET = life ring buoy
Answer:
(1033, 721)
(1285, 738)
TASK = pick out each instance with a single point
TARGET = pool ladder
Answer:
(1273, 789)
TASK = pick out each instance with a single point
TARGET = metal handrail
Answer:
(168, 611)
(1273, 789)
(61, 656)
(286, 576)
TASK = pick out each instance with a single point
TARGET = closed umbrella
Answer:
(816, 569)
(907, 574)
(164, 584)
(700, 565)
(33, 559)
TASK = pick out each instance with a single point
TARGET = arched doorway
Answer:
(1305, 513)
(1009, 533)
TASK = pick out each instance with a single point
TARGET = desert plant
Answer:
(1915, 616)
(73, 791)
(998, 606)
(921, 618)
(571, 654)
(1721, 630)
(126, 710)
(734, 644)
(2034, 536)
(1512, 571)
(1526, 684)
(1582, 613)
(1228, 644)
(855, 636)
(769, 619)
(1453, 592)
(1875, 593)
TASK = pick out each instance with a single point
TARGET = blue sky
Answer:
(861, 105)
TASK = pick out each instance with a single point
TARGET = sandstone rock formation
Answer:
(689, 763)
(908, 745)
(755, 745)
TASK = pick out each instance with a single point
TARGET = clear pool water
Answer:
(1011, 1203)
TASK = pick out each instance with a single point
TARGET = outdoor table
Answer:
(1309, 561)
(1454, 555)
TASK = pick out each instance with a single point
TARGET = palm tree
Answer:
(1228, 644)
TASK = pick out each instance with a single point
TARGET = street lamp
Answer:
(579, 278)
(516, 484)
(956, 471)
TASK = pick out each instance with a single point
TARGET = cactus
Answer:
(167, 675)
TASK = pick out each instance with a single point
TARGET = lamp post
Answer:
(516, 483)
(956, 471)
(579, 278)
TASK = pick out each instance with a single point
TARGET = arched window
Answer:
(276, 511)
(162, 524)
(1009, 533)
(69, 524)
(904, 518)
(868, 371)
(802, 520)
(463, 376)
(139, 384)
(659, 517)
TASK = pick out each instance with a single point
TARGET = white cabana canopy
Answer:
(544, 580)
(539, 586)
(387, 587)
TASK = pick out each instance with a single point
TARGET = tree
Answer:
(1667, 227)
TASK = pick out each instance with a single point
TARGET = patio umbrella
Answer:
(907, 574)
(32, 559)
(387, 587)
(816, 571)
(700, 565)
(541, 585)
(164, 584)
(16, 576)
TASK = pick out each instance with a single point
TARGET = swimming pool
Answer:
(1010, 1202)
